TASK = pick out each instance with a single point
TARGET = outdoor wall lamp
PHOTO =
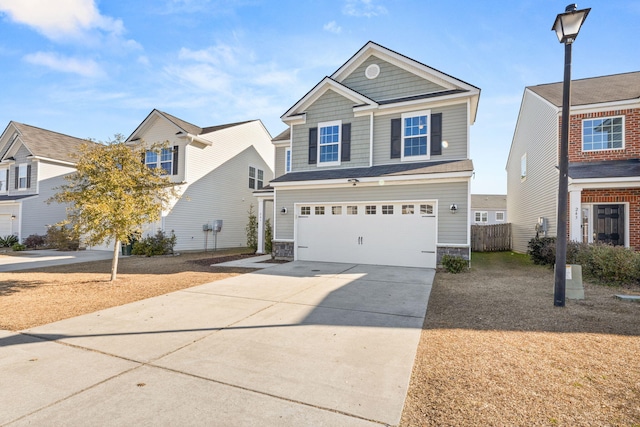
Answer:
(453, 208)
(13, 217)
(567, 26)
(283, 211)
(354, 181)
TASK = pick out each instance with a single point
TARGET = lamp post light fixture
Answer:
(567, 26)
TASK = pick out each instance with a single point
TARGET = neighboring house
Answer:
(33, 162)
(604, 162)
(374, 167)
(488, 209)
(216, 168)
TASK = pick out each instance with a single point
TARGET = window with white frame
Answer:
(256, 178)
(287, 160)
(499, 216)
(605, 133)
(329, 137)
(336, 210)
(162, 159)
(305, 210)
(481, 216)
(22, 176)
(523, 167)
(4, 180)
(415, 135)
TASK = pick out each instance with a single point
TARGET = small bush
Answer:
(8, 241)
(612, 265)
(62, 238)
(17, 247)
(35, 241)
(252, 229)
(268, 236)
(454, 264)
(160, 244)
(542, 250)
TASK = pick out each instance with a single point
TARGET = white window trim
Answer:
(3, 177)
(158, 163)
(414, 114)
(287, 153)
(602, 149)
(523, 171)
(500, 220)
(26, 178)
(482, 213)
(255, 178)
(327, 124)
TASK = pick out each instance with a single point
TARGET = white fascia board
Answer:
(402, 107)
(268, 195)
(201, 142)
(298, 119)
(605, 106)
(586, 183)
(282, 143)
(46, 159)
(377, 181)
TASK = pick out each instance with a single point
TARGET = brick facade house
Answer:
(604, 161)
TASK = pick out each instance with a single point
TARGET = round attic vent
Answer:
(372, 71)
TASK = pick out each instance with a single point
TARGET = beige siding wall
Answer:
(331, 106)
(536, 135)
(452, 228)
(393, 82)
(455, 128)
(160, 131)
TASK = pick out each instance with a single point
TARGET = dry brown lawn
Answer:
(31, 298)
(494, 351)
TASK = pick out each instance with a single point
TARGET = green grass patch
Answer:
(505, 260)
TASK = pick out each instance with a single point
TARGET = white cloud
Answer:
(54, 61)
(61, 19)
(366, 8)
(332, 27)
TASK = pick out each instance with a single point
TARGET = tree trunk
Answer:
(114, 261)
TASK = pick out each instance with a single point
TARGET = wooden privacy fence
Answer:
(491, 238)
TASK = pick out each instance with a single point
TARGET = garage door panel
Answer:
(369, 236)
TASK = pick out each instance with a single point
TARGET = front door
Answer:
(608, 224)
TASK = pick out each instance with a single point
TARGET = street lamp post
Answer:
(567, 26)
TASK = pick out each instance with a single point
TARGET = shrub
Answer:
(268, 236)
(612, 265)
(8, 241)
(18, 247)
(62, 238)
(542, 250)
(160, 244)
(454, 264)
(252, 230)
(35, 241)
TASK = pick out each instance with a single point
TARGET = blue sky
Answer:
(91, 68)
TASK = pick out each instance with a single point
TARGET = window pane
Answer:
(319, 210)
(329, 143)
(407, 209)
(370, 210)
(151, 157)
(352, 210)
(252, 172)
(602, 134)
(336, 210)
(426, 209)
(260, 174)
(387, 209)
(252, 183)
(287, 166)
(305, 210)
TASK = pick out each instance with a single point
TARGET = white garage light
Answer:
(453, 208)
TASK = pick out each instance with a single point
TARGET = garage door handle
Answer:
(428, 252)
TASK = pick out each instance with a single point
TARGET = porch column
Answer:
(260, 225)
(575, 215)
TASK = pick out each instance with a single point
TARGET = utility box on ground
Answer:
(574, 288)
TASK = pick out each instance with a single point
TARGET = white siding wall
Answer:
(452, 228)
(160, 130)
(536, 135)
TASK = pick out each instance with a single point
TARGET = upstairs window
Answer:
(4, 180)
(22, 177)
(603, 134)
(329, 143)
(256, 178)
(163, 159)
(415, 135)
(287, 161)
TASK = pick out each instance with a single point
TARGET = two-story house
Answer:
(604, 162)
(33, 162)
(374, 167)
(216, 170)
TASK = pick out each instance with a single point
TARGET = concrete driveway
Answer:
(299, 344)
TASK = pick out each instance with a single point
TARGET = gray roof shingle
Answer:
(49, 144)
(595, 90)
(605, 169)
(488, 201)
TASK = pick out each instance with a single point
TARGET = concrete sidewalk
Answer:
(297, 344)
(47, 257)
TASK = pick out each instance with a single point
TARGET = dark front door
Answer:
(608, 225)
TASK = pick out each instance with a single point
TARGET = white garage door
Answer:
(5, 225)
(381, 233)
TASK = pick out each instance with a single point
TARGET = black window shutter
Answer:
(396, 138)
(17, 173)
(28, 176)
(143, 155)
(175, 160)
(345, 154)
(436, 134)
(313, 146)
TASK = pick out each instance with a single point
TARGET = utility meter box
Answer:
(217, 225)
(573, 286)
(206, 227)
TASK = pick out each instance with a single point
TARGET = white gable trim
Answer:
(146, 123)
(377, 181)
(319, 90)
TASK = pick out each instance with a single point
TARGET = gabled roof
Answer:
(488, 201)
(390, 170)
(594, 90)
(183, 126)
(45, 143)
(452, 85)
(283, 136)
